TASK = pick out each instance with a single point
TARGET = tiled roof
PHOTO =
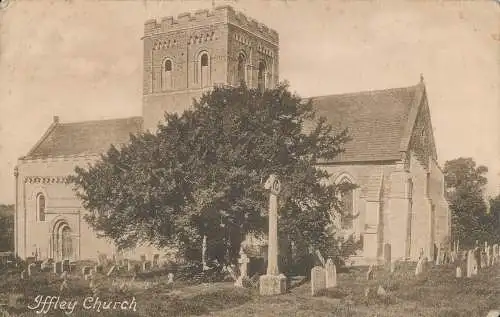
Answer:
(87, 137)
(377, 121)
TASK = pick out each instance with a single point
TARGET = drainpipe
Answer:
(16, 175)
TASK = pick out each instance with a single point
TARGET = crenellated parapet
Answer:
(202, 18)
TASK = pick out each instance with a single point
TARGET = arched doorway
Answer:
(62, 241)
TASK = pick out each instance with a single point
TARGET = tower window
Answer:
(204, 73)
(167, 75)
(241, 69)
(40, 207)
(261, 78)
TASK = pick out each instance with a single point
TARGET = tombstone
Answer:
(370, 274)
(458, 273)
(24, 274)
(64, 275)
(65, 266)
(318, 280)
(330, 274)
(31, 269)
(381, 291)
(58, 267)
(86, 270)
(393, 266)
(111, 270)
(493, 313)
(471, 264)
(420, 267)
(477, 257)
(243, 261)
(439, 256)
(98, 268)
(495, 253)
(156, 260)
(387, 254)
(170, 277)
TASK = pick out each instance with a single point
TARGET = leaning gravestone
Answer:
(420, 267)
(330, 274)
(318, 280)
(111, 270)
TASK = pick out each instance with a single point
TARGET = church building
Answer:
(398, 205)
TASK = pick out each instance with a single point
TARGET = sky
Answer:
(82, 60)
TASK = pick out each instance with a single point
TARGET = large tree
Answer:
(202, 174)
(6, 227)
(465, 184)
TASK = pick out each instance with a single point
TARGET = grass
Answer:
(435, 293)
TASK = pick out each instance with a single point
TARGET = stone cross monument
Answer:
(273, 283)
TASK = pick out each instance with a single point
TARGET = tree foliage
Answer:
(202, 173)
(6, 227)
(465, 183)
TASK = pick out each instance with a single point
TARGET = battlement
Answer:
(221, 14)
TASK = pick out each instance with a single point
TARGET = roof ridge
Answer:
(100, 120)
(357, 93)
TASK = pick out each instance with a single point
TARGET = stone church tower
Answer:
(186, 56)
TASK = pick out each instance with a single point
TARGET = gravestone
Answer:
(330, 274)
(318, 280)
(477, 257)
(439, 256)
(419, 269)
(86, 270)
(458, 273)
(170, 278)
(58, 267)
(490, 255)
(111, 270)
(495, 253)
(66, 267)
(24, 275)
(243, 261)
(381, 291)
(370, 275)
(31, 269)
(320, 257)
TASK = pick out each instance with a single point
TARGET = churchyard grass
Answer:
(435, 293)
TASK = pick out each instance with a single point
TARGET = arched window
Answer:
(261, 77)
(241, 69)
(167, 75)
(347, 200)
(204, 70)
(40, 207)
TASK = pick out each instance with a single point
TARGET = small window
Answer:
(168, 65)
(40, 202)
(204, 60)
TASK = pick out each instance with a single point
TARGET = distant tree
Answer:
(465, 183)
(202, 173)
(6, 227)
(493, 219)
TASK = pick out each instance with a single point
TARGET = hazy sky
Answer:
(83, 60)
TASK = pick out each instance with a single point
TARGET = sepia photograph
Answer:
(250, 158)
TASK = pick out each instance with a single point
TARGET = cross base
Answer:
(272, 285)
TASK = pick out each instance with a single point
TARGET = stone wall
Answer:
(48, 176)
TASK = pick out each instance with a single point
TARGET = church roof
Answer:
(379, 122)
(86, 137)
